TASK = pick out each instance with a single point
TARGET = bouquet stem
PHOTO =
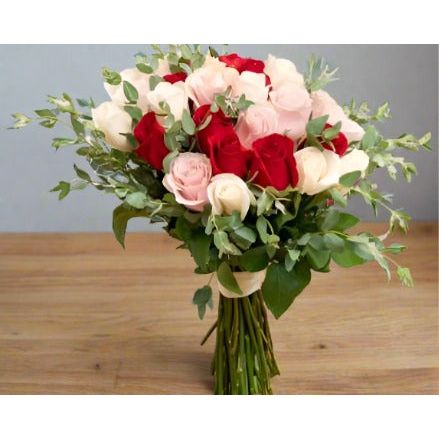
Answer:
(244, 361)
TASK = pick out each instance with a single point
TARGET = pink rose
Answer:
(293, 106)
(212, 78)
(258, 121)
(188, 178)
(324, 104)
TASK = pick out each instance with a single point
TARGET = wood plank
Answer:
(78, 315)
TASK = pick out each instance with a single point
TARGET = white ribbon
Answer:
(248, 282)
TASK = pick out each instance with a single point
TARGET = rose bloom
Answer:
(293, 106)
(150, 137)
(138, 80)
(172, 94)
(242, 64)
(212, 78)
(219, 141)
(321, 170)
(252, 85)
(188, 178)
(259, 120)
(227, 193)
(113, 120)
(323, 104)
(273, 162)
(282, 70)
(339, 144)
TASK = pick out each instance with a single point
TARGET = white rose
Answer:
(324, 104)
(258, 121)
(356, 160)
(138, 80)
(204, 83)
(280, 70)
(293, 105)
(163, 68)
(228, 193)
(318, 170)
(113, 120)
(173, 94)
(252, 85)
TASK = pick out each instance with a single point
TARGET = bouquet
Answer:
(249, 164)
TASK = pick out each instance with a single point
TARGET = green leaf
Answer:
(130, 92)
(144, 68)
(111, 77)
(121, 215)
(348, 257)
(199, 245)
(255, 259)
(395, 248)
(81, 174)
(316, 126)
(153, 81)
(318, 259)
(134, 112)
(369, 138)
(168, 160)
(223, 244)
(203, 297)
(281, 287)
(333, 242)
(350, 179)
(405, 276)
(63, 187)
(264, 203)
(47, 114)
(137, 200)
(187, 123)
(338, 197)
(243, 237)
(261, 226)
(227, 279)
(291, 258)
(20, 121)
(332, 132)
(58, 142)
(229, 223)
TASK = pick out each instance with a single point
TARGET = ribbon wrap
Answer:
(247, 281)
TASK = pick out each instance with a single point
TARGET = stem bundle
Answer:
(244, 361)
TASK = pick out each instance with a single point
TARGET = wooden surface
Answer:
(80, 315)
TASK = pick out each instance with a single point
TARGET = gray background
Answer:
(406, 76)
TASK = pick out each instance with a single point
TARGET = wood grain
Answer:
(78, 315)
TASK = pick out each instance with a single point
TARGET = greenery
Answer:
(289, 234)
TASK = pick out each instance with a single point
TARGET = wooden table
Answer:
(79, 315)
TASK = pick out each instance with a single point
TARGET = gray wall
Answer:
(406, 76)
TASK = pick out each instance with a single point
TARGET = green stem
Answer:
(244, 360)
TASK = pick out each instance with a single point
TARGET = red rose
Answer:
(274, 162)
(340, 143)
(218, 140)
(150, 136)
(175, 77)
(243, 64)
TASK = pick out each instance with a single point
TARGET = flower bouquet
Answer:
(249, 165)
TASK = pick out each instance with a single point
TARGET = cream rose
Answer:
(321, 170)
(293, 106)
(252, 85)
(228, 193)
(212, 78)
(113, 120)
(188, 178)
(138, 80)
(173, 94)
(356, 160)
(258, 121)
(324, 104)
(282, 70)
